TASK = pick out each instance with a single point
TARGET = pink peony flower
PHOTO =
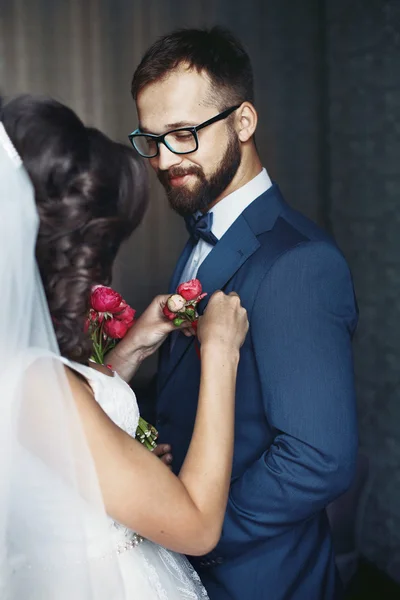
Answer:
(105, 299)
(170, 315)
(176, 303)
(127, 315)
(115, 329)
(190, 290)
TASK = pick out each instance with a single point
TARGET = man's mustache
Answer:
(166, 176)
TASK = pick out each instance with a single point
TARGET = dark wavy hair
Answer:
(91, 193)
(215, 51)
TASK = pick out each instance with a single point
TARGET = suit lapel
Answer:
(227, 256)
(233, 249)
(220, 265)
(180, 265)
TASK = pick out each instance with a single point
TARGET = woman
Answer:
(87, 512)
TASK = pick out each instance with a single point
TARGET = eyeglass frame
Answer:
(193, 129)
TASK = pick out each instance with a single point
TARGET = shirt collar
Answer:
(229, 208)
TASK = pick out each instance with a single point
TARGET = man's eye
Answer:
(182, 135)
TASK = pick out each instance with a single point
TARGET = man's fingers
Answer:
(163, 452)
(162, 449)
(167, 459)
(188, 331)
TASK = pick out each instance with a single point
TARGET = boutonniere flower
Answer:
(182, 306)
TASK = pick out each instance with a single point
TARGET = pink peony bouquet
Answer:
(108, 321)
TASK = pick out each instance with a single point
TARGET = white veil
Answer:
(51, 510)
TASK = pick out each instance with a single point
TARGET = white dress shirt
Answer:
(225, 214)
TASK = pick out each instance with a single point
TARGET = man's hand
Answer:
(163, 451)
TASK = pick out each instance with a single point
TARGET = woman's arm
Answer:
(183, 513)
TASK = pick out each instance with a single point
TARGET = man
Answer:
(296, 435)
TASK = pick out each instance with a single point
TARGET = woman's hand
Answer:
(224, 322)
(152, 327)
(143, 339)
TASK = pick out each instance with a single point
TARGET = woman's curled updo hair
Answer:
(91, 193)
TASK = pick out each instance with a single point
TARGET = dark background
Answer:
(328, 96)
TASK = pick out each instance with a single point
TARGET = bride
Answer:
(86, 512)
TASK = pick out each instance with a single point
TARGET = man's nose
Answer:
(167, 159)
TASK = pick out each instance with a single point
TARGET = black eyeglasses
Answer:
(179, 141)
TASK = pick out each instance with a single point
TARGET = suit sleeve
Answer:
(301, 327)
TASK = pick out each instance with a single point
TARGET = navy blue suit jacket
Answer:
(296, 432)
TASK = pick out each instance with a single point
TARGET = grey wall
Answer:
(328, 96)
(363, 66)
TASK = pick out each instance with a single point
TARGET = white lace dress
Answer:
(158, 573)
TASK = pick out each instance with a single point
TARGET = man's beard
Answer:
(187, 201)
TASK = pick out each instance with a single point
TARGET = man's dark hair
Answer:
(216, 52)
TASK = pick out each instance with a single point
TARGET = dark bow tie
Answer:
(200, 227)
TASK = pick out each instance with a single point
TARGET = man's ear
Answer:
(246, 121)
